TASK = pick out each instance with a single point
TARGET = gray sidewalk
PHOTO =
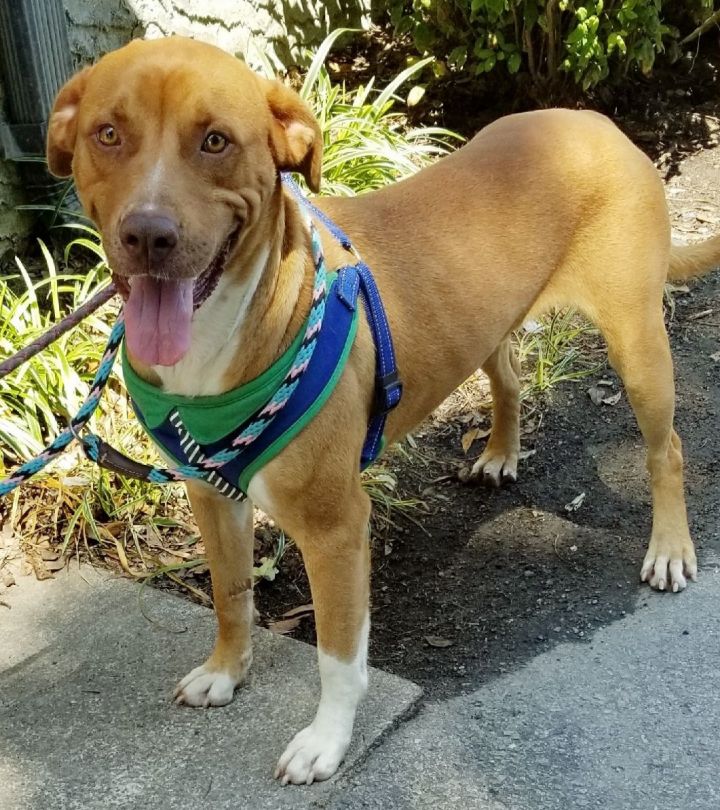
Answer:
(626, 721)
(87, 720)
(629, 720)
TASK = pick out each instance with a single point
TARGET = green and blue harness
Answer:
(226, 439)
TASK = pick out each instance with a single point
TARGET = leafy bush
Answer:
(366, 142)
(551, 41)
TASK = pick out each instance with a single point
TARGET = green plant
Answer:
(366, 142)
(54, 383)
(552, 348)
(584, 41)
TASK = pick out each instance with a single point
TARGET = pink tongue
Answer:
(157, 320)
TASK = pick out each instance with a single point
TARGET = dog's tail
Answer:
(689, 261)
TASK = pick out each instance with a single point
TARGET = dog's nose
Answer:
(149, 236)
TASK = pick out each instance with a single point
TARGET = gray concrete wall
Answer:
(281, 31)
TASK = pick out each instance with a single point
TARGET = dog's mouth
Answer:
(158, 311)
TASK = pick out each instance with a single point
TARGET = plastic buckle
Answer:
(387, 387)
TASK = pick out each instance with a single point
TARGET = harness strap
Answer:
(388, 386)
(334, 229)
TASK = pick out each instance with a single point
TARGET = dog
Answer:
(177, 150)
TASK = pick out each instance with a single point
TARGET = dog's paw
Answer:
(311, 757)
(205, 687)
(495, 468)
(667, 565)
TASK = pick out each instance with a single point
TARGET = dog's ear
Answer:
(62, 129)
(296, 139)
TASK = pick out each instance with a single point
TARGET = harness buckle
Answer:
(388, 392)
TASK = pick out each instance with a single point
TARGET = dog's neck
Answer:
(255, 312)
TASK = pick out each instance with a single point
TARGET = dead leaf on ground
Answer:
(472, 435)
(438, 641)
(300, 610)
(715, 357)
(575, 503)
(601, 393)
(282, 627)
(612, 400)
(525, 454)
(38, 566)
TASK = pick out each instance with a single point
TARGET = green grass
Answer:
(553, 350)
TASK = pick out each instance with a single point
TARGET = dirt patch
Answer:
(490, 579)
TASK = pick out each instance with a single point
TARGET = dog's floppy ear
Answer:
(62, 129)
(296, 139)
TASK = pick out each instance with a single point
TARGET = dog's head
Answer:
(175, 147)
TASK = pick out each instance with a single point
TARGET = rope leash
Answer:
(25, 471)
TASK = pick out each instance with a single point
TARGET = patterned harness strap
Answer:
(388, 386)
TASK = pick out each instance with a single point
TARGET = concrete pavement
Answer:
(87, 667)
(627, 720)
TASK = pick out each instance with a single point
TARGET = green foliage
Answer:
(552, 348)
(366, 143)
(552, 41)
(34, 397)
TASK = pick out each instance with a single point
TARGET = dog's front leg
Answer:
(337, 558)
(226, 527)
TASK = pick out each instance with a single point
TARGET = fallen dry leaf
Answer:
(438, 641)
(38, 566)
(282, 627)
(300, 610)
(575, 503)
(715, 357)
(601, 393)
(472, 435)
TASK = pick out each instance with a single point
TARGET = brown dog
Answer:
(176, 149)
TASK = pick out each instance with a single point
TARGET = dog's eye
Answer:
(108, 135)
(215, 143)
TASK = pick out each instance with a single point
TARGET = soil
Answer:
(480, 581)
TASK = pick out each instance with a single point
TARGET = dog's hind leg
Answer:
(498, 463)
(227, 530)
(640, 352)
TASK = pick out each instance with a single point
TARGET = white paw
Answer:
(667, 571)
(201, 687)
(312, 756)
(495, 468)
